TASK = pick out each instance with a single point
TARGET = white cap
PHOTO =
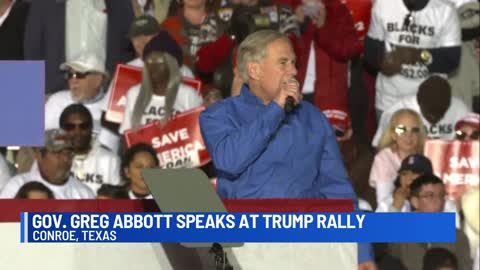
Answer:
(85, 63)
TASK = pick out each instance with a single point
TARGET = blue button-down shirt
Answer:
(259, 151)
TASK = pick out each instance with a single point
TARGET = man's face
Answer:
(431, 198)
(278, 65)
(79, 129)
(84, 86)
(139, 43)
(435, 114)
(55, 166)
(158, 70)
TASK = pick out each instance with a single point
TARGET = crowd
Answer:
(387, 83)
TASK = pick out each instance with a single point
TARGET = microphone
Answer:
(290, 102)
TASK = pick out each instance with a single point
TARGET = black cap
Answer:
(417, 163)
(164, 42)
(143, 25)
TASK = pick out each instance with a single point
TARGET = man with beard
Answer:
(92, 164)
(52, 168)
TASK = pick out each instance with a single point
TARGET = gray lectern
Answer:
(188, 190)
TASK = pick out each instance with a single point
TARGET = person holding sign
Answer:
(266, 142)
(161, 93)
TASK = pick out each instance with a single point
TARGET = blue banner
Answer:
(22, 101)
(237, 227)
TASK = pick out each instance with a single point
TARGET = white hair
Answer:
(254, 49)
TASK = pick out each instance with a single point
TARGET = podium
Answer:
(167, 256)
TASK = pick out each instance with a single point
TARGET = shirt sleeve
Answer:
(376, 30)
(234, 148)
(333, 181)
(52, 112)
(450, 34)
(9, 191)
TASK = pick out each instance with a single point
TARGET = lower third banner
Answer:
(237, 227)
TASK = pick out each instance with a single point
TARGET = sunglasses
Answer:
(77, 75)
(401, 130)
(461, 135)
(82, 126)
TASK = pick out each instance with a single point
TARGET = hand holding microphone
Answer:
(289, 96)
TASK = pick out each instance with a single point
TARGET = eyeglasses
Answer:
(462, 135)
(402, 129)
(430, 196)
(77, 75)
(82, 126)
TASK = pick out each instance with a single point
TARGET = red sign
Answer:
(456, 162)
(361, 13)
(179, 143)
(125, 77)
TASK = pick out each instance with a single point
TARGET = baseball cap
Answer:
(164, 42)
(143, 25)
(85, 63)
(417, 163)
(338, 118)
(471, 119)
(57, 140)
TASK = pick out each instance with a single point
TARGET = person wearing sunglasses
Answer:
(86, 77)
(93, 165)
(161, 93)
(52, 165)
(468, 128)
(404, 136)
(427, 195)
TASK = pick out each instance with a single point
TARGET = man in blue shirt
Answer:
(260, 150)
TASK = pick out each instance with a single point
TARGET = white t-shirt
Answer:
(72, 189)
(99, 166)
(57, 102)
(111, 139)
(436, 25)
(138, 62)
(383, 173)
(444, 129)
(5, 172)
(187, 98)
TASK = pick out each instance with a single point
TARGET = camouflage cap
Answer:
(57, 140)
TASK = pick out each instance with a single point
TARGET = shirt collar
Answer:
(249, 97)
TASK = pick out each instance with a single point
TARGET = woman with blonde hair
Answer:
(404, 136)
